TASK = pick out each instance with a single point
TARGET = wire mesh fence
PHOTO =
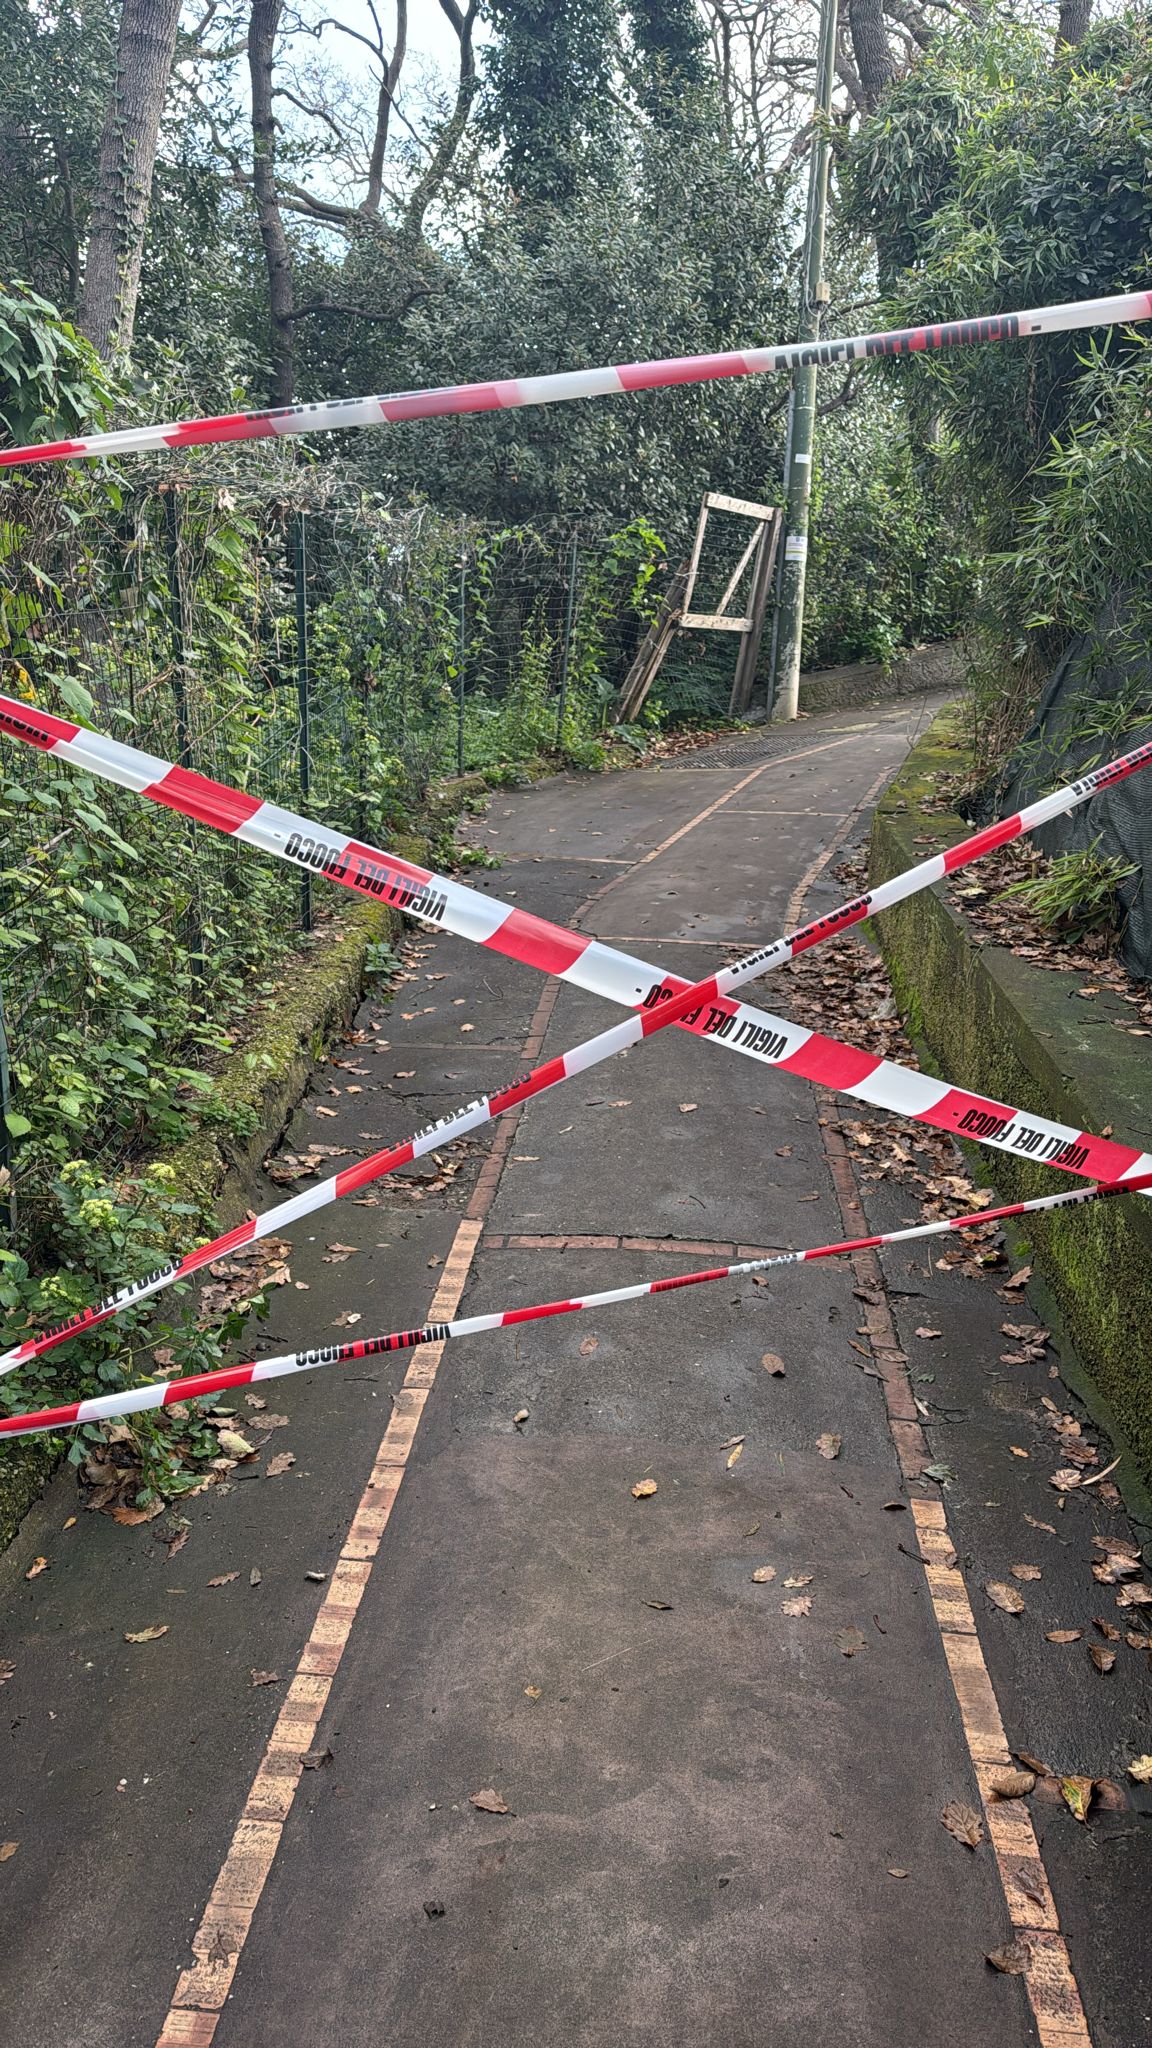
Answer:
(334, 653)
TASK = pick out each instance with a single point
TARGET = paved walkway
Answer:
(724, 1816)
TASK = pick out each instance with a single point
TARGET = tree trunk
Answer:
(388, 84)
(1075, 17)
(262, 31)
(875, 65)
(123, 193)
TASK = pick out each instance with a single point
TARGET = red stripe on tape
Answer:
(213, 803)
(39, 728)
(835, 1065)
(372, 1168)
(1105, 1160)
(688, 1279)
(542, 1077)
(228, 426)
(548, 1308)
(206, 1383)
(982, 843)
(441, 404)
(679, 370)
(537, 943)
(969, 1114)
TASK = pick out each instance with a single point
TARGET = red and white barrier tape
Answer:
(506, 394)
(663, 1006)
(167, 1393)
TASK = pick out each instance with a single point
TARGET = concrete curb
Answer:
(998, 1023)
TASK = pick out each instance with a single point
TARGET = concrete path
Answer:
(723, 1795)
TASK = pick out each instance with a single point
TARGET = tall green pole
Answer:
(802, 419)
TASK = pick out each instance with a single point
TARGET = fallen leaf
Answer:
(896, 1873)
(1017, 1451)
(738, 1452)
(800, 1606)
(964, 1823)
(7, 1670)
(1077, 1794)
(488, 1801)
(1012, 1960)
(520, 1418)
(265, 1678)
(1025, 1571)
(644, 1489)
(225, 1579)
(1103, 1659)
(1064, 1635)
(1066, 1479)
(70, 1523)
(315, 1759)
(1029, 1878)
(1140, 1769)
(255, 1400)
(660, 1606)
(849, 1641)
(345, 1321)
(1110, 1633)
(1019, 1279)
(1134, 1596)
(804, 1579)
(234, 1445)
(772, 1364)
(531, 1692)
(130, 1518)
(686, 1108)
(922, 1332)
(38, 1565)
(829, 1445)
(255, 1576)
(763, 1574)
(1034, 1524)
(282, 1462)
(148, 1635)
(1010, 1784)
(588, 1345)
(783, 1151)
(322, 1110)
(1003, 1596)
(8, 1850)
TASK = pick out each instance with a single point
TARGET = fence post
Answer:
(461, 643)
(566, 656)
(178, 627)
(9, 1190)
(177, 622)
(303, 690)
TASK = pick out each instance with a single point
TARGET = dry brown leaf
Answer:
(531, 1692)
(130, 1518)
(1066, 1480)
(851, 1640)
(255, 1576)
(922, 1332)
(282, 1462)
(345, 1321)
(733, 1455)
(1025, 1571)
(520, 1418)
(803, 1579)
(1140, 1769)
(799, 1607)
(1103, 1659)
(1010, 1784)
(763, 1574)
(644, 1489)
(829, 1445)
(225, 1579)
(8, 1850)
(964, 1823)
(1107, 1629)
(772, 1364)
(1004, 1596)
(7, 1670)
(1019, 1279)
(1029, 1878)
(1077, 1794)
(1134, 1596)
(265, 1678)
(1034, 1524)
(1063, 1635)
(686, 1108)
(38, 1565)
(488, 1801)
(148, 1635)
(1012, 1960)
(588, 1345)
(1017, 1451)
(896, 1873)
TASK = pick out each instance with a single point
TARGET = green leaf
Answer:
(18, 1126)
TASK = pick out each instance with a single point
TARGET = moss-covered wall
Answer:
(999, 1024)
